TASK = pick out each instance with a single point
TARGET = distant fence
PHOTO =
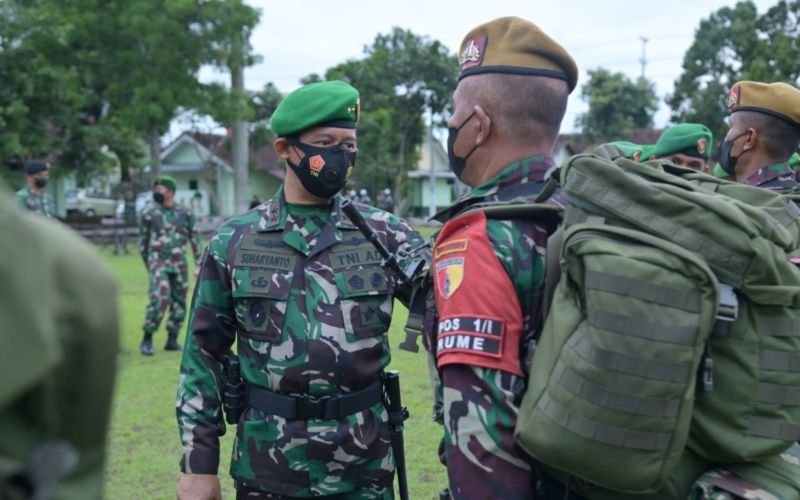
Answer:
(112, 231)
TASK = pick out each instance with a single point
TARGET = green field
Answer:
(144, 444)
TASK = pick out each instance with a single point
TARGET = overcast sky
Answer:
(296, 38)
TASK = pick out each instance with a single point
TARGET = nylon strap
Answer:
(778, 326)
(708, 186)
(574, 215)
(774, 428)
(630, 287)
(625, 363)
(641, 328)
(552, 269)
(778, 394)
(595, 431)
(780, 361)
(600, 396)
(787, 215)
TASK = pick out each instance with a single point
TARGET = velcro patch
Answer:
(482, 336)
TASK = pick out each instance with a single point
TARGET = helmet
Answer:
(363, 192)
(387, 191)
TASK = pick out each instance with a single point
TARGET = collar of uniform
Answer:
(274, 213)
(770, 173)
(528, 170)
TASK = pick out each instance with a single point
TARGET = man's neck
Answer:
(501, 157)
(756, 162)
(168, 203)
(34, 189)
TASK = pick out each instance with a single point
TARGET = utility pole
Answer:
(432, 174)
(240, 137)
(643, 60)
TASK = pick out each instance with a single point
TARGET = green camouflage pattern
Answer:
(39, 203)
(163, 236)
(481, 404)
(308, 302)
(776, 177)
(720, 484)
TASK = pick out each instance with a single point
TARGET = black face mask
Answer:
(457, 164)
(158, 197)
(323, 171)
(726, 161)
(39, 182)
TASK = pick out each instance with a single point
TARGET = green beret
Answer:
(780, 100)
(691, 139)
(332, 104)
(717, 171)
(516, 46)
(167, 181)
(628, 148)
(647, 151)
(794, 160)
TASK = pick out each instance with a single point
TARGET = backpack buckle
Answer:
(728, 303)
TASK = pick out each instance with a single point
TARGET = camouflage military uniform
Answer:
(775, 177)
(39, 203)
(163, 235)
(311, 304)
(481, 404)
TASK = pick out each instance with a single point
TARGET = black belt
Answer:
(305, 406)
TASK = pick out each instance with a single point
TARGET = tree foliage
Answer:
(733, 44)
(402, 78)
(617, 105)
(84, 78)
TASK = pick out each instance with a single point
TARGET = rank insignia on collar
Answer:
(449, 275)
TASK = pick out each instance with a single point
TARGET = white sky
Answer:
(296, 38)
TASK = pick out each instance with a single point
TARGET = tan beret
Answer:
(515, 46)
(780, 100)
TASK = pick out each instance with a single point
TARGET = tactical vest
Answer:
(665, 287)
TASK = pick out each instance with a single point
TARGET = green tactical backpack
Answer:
(616, 368)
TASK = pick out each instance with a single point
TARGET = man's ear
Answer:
(484, 124)
(752, 138)
(282, 146)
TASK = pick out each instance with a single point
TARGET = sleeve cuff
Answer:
(200, 462)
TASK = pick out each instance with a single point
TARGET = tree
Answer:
(402, 77)
(733, 44)
(617, 105)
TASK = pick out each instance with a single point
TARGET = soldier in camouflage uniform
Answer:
(764, 132)
(165, 229)
(307, 301)
(33, 196)
(489, 274)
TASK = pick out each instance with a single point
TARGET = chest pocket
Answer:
(364, 291)
(262, 279)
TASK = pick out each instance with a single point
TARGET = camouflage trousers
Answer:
(243, 493)
(167, 288)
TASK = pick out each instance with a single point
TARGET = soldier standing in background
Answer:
(32, 196)
(764, 132)
(308, 302)
(165, 230)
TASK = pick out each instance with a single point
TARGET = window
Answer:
(193, 184)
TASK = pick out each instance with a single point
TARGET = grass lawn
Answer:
(144, 444)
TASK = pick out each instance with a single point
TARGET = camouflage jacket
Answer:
(481, 404)
(309, 303)
(775, 177)
(39, 203)
(163, 235)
